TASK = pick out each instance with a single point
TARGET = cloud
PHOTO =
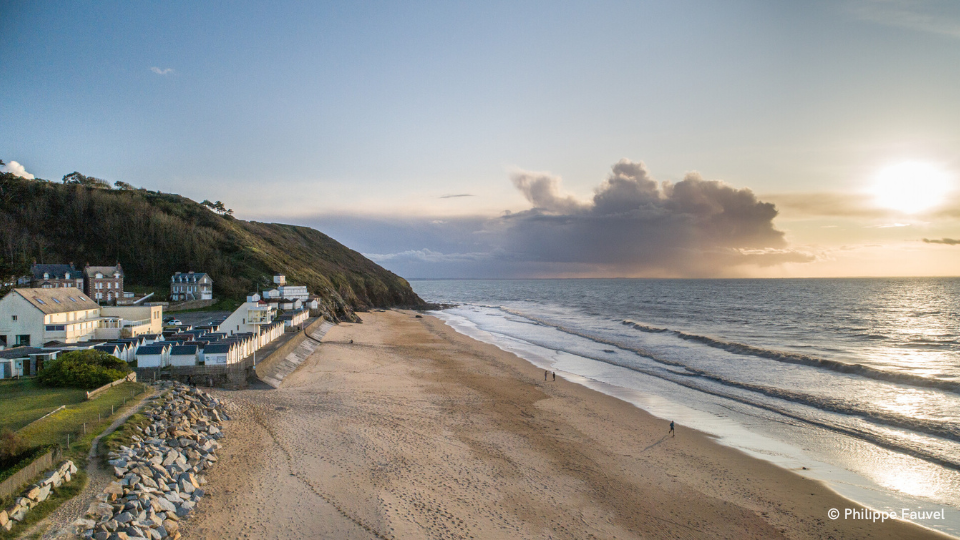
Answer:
(930, 16)
(637, 225)
(543, 192)
(632, 226)
(947, 241)
(17, 170)
(159, 71)
(456, 195)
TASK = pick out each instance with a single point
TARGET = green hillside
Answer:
(155, 234)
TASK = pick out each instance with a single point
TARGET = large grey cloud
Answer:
(633, 225)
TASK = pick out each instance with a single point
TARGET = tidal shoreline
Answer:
(401, 427)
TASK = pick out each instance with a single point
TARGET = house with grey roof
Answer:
(55, 276)
(186, 286)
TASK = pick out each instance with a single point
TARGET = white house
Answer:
(66, 315)
(37, 316)
(249, 317)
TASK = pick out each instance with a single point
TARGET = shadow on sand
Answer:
(655, 444)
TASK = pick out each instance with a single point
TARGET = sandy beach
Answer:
(415, 431)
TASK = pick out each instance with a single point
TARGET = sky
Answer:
(519, 139)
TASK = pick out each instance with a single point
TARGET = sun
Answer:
(911, 187)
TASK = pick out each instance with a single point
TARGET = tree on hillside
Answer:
(123, 185)
(217, 207)
(83, 180)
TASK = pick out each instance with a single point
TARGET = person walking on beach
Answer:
(554, 376)
(545, 373)
(672, 433)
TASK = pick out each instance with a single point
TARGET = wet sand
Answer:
(416, 431)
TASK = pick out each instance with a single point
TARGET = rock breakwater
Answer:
(36, 494)
(159, 475)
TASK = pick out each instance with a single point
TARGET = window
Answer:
(55, 328)
(56, 300)
(72, 299)
(14, 317)
(39, 301)
(23, 341)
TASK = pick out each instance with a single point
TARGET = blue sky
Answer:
(369, 113)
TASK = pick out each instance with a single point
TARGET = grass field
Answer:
(23, 401)
(29, 401)
(56, 427)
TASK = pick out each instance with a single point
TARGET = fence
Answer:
(20, 478)
(93, 393)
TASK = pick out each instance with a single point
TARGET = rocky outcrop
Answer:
(36, 494)
(159, 475)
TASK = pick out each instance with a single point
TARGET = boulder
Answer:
(19, 513)
(114, 488)
(44, 492)
(32, 492)
(166, 505)
(83, 524)
(100, 510)
(124, 517)
(52, 477)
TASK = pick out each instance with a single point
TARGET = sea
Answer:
(854, 382)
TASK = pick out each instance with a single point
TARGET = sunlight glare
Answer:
(911, 187)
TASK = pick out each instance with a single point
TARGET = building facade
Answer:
(191, 286)
(55, 276)
(32, 317)
(35, 317)
(104, 284)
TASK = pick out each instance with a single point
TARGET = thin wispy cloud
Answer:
(946, 241)
(931, 16)
(456, 195)
(159, 71)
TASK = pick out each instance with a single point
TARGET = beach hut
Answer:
(110, 348)
(152, 356)
(183, 355)
(220, 353)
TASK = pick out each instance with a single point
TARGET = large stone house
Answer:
(35, 317)
(191, 286)
(55, 276)
(104, 284)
